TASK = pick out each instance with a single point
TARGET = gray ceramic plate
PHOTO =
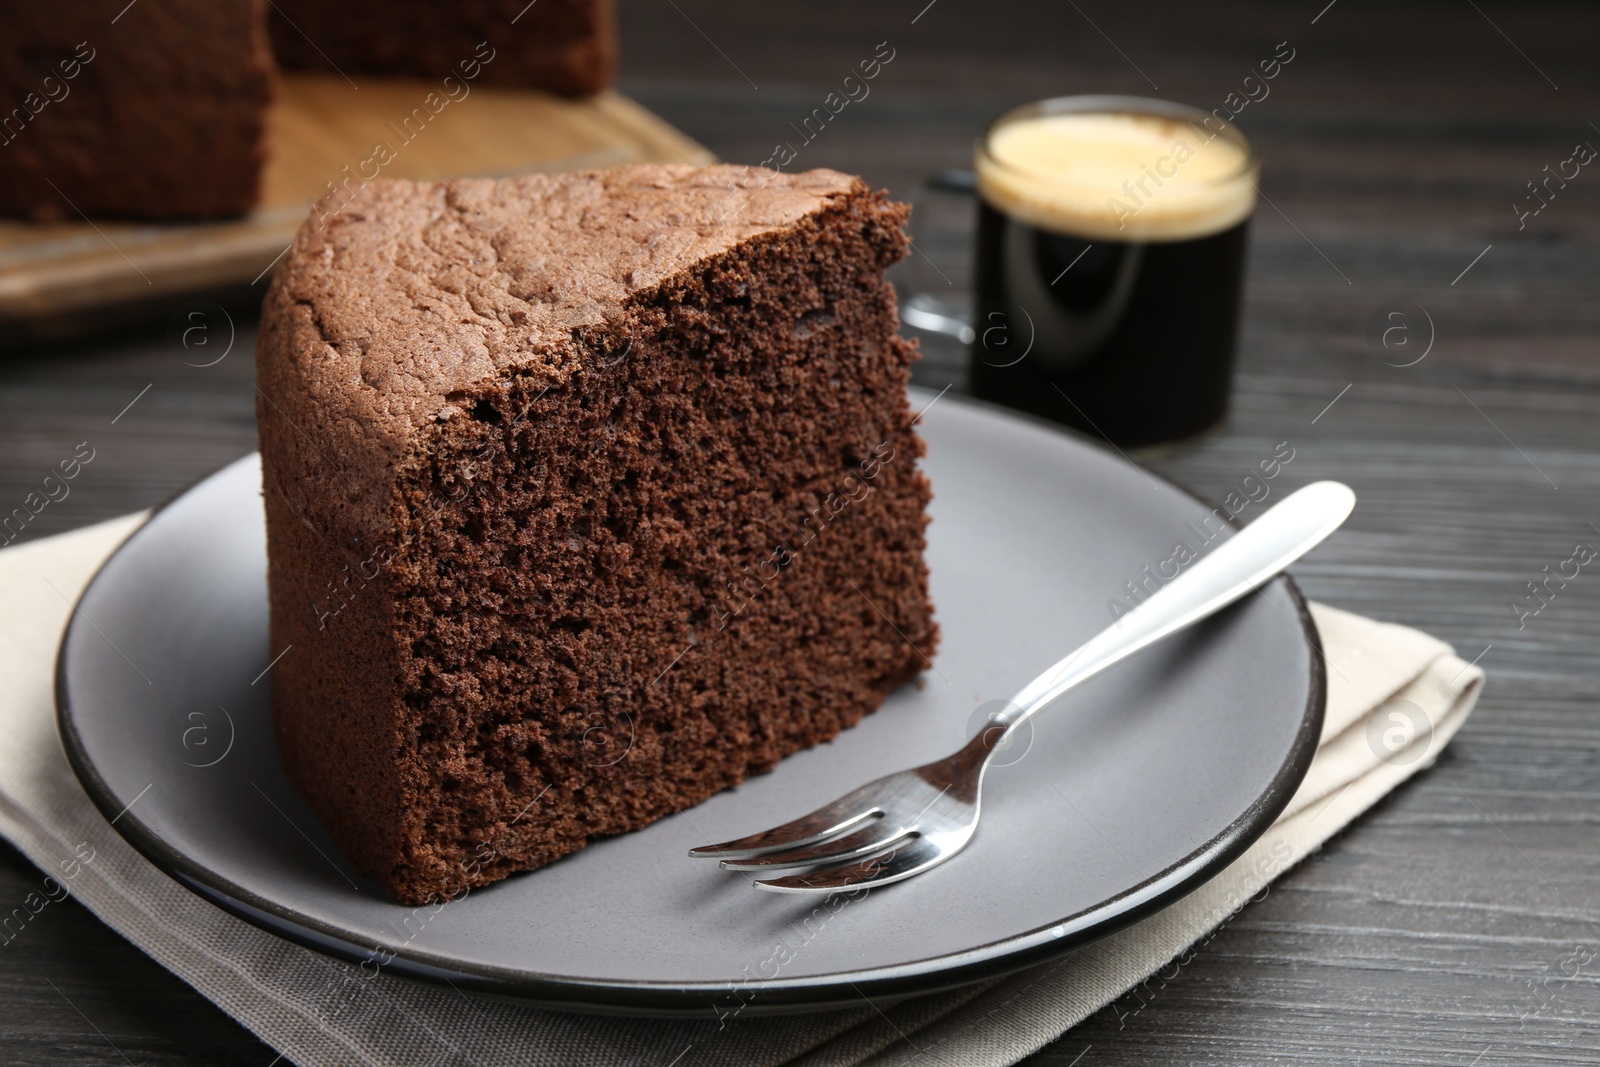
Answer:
(1133, 790)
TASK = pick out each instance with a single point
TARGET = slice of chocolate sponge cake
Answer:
(587, 496)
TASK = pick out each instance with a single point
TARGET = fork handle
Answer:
(1242, 563)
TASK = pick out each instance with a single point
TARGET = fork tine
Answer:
(876, 836)
(843, 815)
(909, 859)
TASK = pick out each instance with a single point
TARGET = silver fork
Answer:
(909, 822)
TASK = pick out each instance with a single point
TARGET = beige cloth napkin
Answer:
(1395, 697)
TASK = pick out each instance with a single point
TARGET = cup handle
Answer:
(956, 182)
(925, 311)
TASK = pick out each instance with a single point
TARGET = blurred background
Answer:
(1394, 147)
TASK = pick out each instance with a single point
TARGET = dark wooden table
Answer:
(1458, 923)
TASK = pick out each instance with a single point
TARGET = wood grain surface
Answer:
(321, 130)
(1443, 928)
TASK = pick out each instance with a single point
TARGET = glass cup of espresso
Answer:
(1111, 244)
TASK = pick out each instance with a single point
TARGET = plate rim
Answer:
(775, 996)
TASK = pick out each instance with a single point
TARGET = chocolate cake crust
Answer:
(588, 495)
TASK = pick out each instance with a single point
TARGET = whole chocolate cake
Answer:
(566, 46)
(158, 109)
(587, 496)
(156, 112)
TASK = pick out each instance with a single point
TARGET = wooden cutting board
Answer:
(56, 279)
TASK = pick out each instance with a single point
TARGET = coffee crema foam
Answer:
(1117, 176)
